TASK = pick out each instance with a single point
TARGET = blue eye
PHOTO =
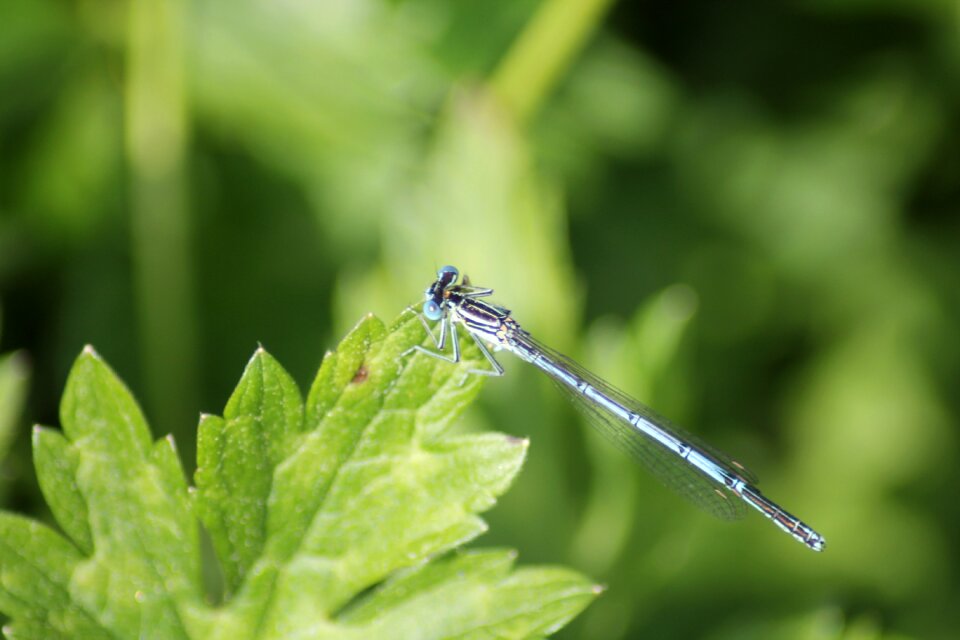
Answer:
(432, 310)
(448, 270)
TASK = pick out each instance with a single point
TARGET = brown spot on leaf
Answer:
(361, 375)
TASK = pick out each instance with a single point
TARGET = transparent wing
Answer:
(665, 464)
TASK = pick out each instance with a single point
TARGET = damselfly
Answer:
(709, 478)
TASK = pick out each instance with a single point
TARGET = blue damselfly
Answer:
(709, 478)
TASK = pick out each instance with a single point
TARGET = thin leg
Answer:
(476, 292)
(472, 291)
(497, 370)
(440, 342)
(426, 327)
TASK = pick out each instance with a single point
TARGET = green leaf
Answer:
(481, 597)
(334, 518)
(236, 459)
(122, 500)
(14, 374)
(37, 565)
(56, 462)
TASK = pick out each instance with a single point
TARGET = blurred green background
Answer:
(745, 213)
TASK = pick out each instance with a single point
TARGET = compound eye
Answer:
(432, 310)
(447, 272)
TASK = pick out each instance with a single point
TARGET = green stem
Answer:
(156, 139)
(543, 52)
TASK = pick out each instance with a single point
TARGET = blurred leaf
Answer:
(866, 394)
(824, 624)
(332, 94)
(819, 194)
(480, 204)
(457, 43)
(308, 506)
(75, 161)
(621, 98)
(542, 52)
(618, 103)
(35, 34)
(14, 375)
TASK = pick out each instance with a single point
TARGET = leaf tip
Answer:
(598, 589)
(521, 442)
(35, 434)
(88, 350)
(20, 362)
(369, 325)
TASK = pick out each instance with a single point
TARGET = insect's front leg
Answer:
(440, 342)
(447, 326)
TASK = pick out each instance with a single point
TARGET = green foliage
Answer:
(14, 375)
(179, 179)
(333, 518)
